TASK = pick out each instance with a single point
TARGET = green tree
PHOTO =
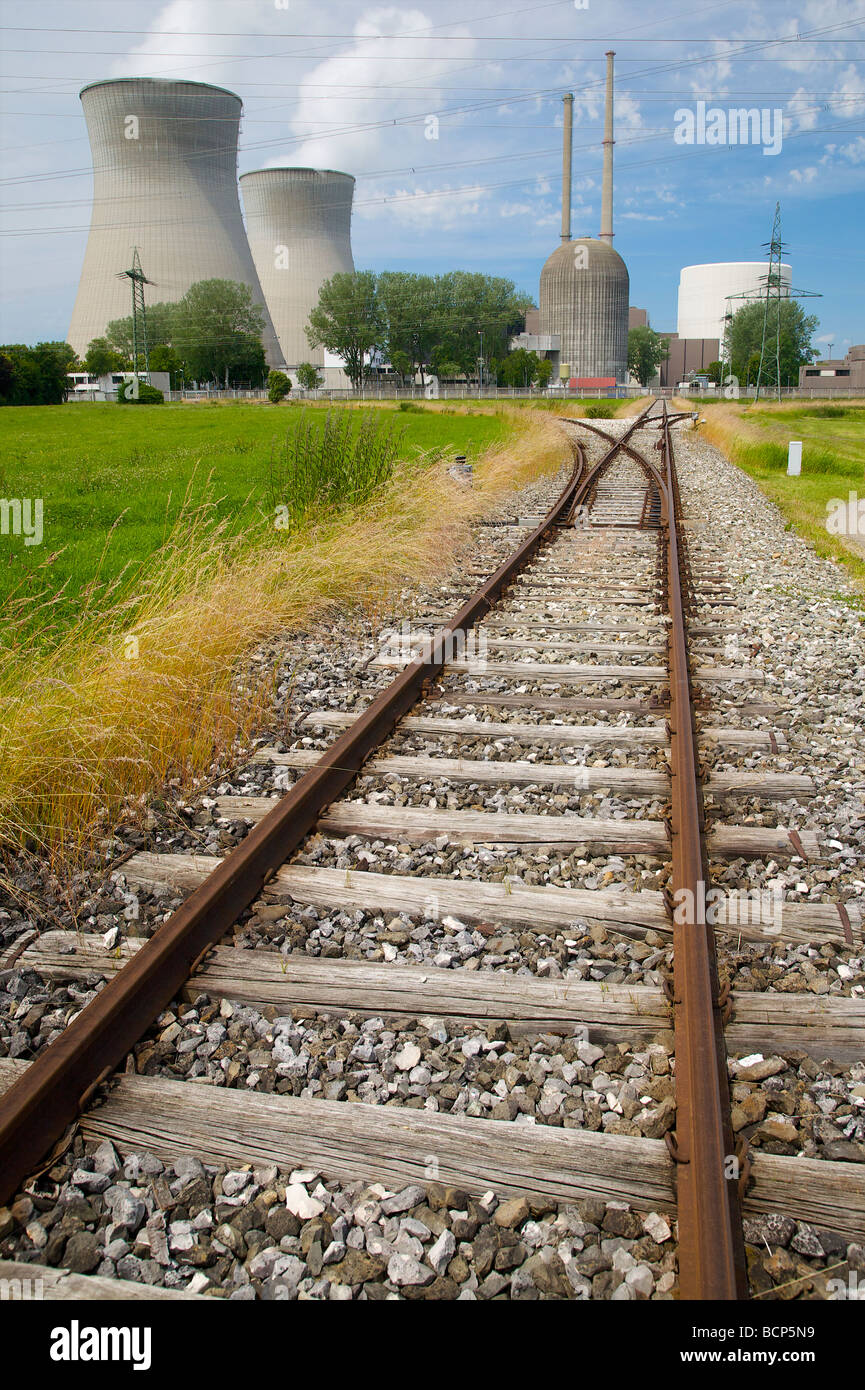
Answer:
(745, 335)
(402, 365)
(309, 376)
(646, 351)
(159, 330)
(545, 371)
(216, 328)
(348, 320)
(752, 369)
(101, 358)
(410, 306)
(715, 372)
(278, 387)
(520, 368)
(35, 375)
(163, 358)
(474, 309)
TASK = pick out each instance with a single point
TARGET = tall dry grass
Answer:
(155, 687)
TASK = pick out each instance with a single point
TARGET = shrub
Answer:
(146, 395)
(328, 468)
(278, 387)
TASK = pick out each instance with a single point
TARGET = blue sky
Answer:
(353, 86)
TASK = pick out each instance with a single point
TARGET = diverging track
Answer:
(583, 671)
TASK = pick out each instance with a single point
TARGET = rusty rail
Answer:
(36, 1110)
(711, 1244)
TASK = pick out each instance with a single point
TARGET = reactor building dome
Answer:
(585, 286)
(164, 180)
(298, 222)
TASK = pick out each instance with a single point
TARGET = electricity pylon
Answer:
(138, 280)
(771, 291)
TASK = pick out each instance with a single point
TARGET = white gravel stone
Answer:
(301, 1204)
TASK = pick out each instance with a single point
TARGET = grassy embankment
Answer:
(132, 677)
(833, 464)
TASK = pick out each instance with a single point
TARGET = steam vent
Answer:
(584, 288)
(299, 227)
(164, 180)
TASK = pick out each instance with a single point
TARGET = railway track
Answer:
(598, 663)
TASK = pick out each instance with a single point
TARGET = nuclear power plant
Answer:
(165, 180)
(584, 283)
(299, 226)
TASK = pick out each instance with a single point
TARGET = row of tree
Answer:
(35, 375)
(453, 325)
(447, 325)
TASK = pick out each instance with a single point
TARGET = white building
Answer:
(703, 291)
(84, 387)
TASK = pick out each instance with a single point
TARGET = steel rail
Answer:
(711, 1243)
(37, 1109)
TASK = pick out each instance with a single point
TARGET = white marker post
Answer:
(794, 458)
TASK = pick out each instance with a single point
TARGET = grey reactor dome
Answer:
(299, 226)
(584, 296)
(164, 180)
(585, 285)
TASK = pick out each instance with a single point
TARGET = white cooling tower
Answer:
(299, 227)
(703, 291)
(164, 180)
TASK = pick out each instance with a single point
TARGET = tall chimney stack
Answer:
(568, 101)
(607, 187)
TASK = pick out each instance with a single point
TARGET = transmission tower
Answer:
(770, 291)
(138, 280)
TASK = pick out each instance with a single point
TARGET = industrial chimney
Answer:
(568, 102)
(609, 142)
(164, 180)
(299, 227)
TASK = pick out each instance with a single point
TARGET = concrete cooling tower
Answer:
(299, 226)
(164, 180)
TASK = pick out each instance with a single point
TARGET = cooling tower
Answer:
(703, 291)
(584, 284)
(164, 180)
(299, 227)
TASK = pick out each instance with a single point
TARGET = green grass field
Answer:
(833, 464)
(114, 481)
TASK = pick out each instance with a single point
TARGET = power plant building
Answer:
(299, 226)
(585, 286)
(165, 180)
